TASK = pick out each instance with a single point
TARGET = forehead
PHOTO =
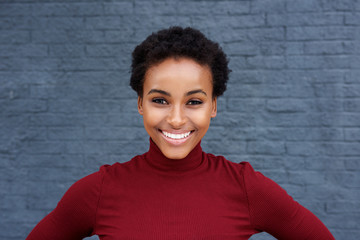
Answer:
(183, 73)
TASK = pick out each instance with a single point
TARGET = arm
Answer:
(272, 210)
(74, 216)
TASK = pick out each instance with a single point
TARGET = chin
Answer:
(175, 155)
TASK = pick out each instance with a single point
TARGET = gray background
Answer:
(292, 108)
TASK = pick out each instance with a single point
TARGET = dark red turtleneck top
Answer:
(200, 197)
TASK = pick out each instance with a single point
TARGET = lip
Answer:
(175, 141)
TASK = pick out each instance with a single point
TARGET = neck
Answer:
(158, 160)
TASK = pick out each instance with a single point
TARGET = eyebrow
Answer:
(168, 94)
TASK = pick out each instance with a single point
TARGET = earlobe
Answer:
(214, 108)
(139, 103)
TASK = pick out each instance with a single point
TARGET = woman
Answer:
(175, 190)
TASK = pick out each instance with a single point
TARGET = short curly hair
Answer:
(179, 42)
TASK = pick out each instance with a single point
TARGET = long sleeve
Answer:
(74, 216)
(272, 210)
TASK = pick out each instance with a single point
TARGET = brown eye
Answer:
(159, 101)
(194, 102)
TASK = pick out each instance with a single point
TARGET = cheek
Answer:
(202, 120)
(152, 116)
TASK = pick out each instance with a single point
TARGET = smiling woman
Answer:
(175, 191)
(177, 105)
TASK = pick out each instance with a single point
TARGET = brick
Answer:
(288, 105)
(12, 202)
(267, 6)
(305, 19)
(346, 180)
(253, 34)
(67, 92)
(12, 36)
(24, 50)
(294, 90)
(314, 76)
(115, 147)
(245, 105)
(54, 174)
(345, 5)
(320, 33)
(272, 48)
(215, 133)
(328, 163)
(98, 64)
(242, 49)
(352, 164)
(319, 62)
(108, 22)
(117, 133)
(303, 6)
(117, 92)
(352, 105)
(244, 91)
(279, 176)
(352, 134)
(260, 147)
(118, 36)
(15, 9)
(230, 7)
(118, 8)
(224, 147)
(12, 90)
(320, 48)
(103, 106)
(65, 133)
(352, 76)
(49, 160)
(27, 106)
(300, 134)
(67, 50)
(29, 63)
(100, 50)
(238, 62)
(65, 36)
(352, 19)
(14, 224)
(307, 178)
(248, 76)
(233, 119)
(64, 23)
(271, 62)
(256, 20)
(317, 148)
(67, 9)
(18, 23)
(129, 119)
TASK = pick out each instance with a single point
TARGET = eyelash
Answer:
(194, 102)
(163, 101)
(159, 101)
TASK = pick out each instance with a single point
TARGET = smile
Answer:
(176, 136)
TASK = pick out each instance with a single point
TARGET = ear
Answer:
(214, 107)
(140, 107)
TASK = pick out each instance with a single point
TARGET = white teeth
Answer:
(176, 136)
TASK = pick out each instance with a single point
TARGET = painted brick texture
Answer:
(292, 108)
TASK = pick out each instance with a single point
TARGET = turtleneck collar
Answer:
(157, 159)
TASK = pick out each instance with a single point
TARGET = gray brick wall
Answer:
(292, 107)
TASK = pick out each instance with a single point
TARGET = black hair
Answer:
(179, 42)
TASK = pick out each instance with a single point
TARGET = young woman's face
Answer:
(177, 105)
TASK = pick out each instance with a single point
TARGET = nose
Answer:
(176, 117)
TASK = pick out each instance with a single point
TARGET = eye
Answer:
(159, 101)
(194, 102)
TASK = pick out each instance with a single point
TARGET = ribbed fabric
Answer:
(200, 197)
